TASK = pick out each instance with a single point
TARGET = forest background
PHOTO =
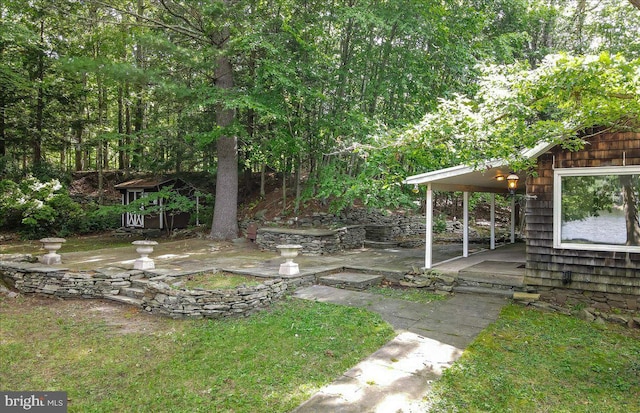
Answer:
(342, 99)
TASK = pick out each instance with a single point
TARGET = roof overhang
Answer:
(483, 179)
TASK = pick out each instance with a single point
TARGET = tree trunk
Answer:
(263, 179)
(36, 143)
(78, 151)
(225, 211)
(284, 186)
(3, 109)
(3, 138)
(635, 3)
(630, 210)
(121, 153)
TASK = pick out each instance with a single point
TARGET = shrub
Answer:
(440, 224)
(37, 209)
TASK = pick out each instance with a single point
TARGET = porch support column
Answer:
(513, 219)
(465, 224)
(428, 240)
(493, 222)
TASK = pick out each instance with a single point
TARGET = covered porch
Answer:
(494, 177)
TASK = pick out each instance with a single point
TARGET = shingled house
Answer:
(582, 230)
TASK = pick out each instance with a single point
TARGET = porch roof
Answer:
(467, 179)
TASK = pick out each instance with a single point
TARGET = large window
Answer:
(597, 208)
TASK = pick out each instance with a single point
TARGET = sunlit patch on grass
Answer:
(529, 359)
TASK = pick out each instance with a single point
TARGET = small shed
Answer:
(140, 188)
(582, 214)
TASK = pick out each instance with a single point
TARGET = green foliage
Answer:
(516, 108)
(166, 201)
(39, 209)
(529, 359)
(102, 218)
(440, 224)
(585, 196)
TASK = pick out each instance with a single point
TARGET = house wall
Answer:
(599, 276)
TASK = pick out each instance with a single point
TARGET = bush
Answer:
(103, 218)
(440, 224)
(38, 209)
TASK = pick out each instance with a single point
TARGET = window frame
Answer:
(558, 174)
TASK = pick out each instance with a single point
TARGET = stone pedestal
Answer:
(51, 245)
(144, 248)
(289, 252)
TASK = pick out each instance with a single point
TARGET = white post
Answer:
(493, 222)
(428, 247)
(513, 219)
(465, 224)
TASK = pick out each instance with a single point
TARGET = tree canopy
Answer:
(340, 99)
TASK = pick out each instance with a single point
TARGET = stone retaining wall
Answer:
(160, 298)
(313, 241)
(59, 282)
(598, 300)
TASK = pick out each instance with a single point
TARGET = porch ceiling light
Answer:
(512, 182)
(415, 189)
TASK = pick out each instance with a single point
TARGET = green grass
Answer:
(532, 361)
(216, 280)
(73, 244)
(269, 362)
(416, 295)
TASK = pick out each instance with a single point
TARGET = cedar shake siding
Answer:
(596, 271)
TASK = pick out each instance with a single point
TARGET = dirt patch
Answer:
(119, 318)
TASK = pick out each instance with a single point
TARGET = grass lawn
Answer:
(533, 361)
(269, 362)
(73, 244)
(416, 295)
(216, 280)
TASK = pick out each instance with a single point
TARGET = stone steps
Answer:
(140, 283)
(125, 300)
(351, 280)
(381, 244)
(484, 290)
(133, 292)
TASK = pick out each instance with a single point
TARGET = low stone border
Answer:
(159, 297)
(31, 278)
(313, 241)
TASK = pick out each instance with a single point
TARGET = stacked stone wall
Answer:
(313, 242)
(161, 298)
(38, 279)
(599, 300)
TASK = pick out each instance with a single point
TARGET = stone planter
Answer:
(51, 245)
(289, 252)
(144, 248)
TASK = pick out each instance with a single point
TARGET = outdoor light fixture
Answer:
(512, 182)
(499, 178)
(415, 188)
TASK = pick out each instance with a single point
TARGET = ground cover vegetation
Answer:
(216, 280)
(340, 100)
(533, 361)
(110, 359)
(416, 295)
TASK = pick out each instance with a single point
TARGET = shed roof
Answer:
(143, 183)
(466, 178)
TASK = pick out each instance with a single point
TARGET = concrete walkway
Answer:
(398, 377)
